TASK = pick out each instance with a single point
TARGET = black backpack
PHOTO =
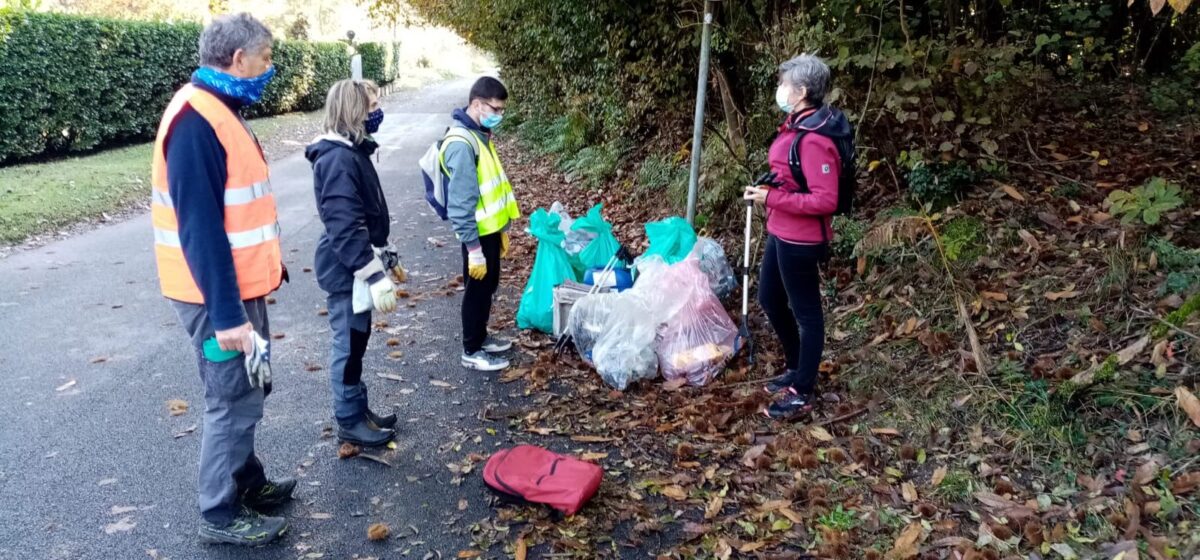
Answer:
(847, 177)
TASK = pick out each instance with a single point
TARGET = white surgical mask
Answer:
(782, 94)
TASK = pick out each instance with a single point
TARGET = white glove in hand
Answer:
(383, 295)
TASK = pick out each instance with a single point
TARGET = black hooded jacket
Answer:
(352, 206)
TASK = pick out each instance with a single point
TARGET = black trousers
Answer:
(789, 289)
(477, 298)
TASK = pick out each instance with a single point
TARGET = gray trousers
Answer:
(232, 409)
(351, 332)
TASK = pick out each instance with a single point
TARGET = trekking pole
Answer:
(744, 329)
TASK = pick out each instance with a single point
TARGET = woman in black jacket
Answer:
(355, 264)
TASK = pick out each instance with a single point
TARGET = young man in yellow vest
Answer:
(216, 240)
(480, 205)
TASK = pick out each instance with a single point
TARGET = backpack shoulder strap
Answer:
(794, 161)
(458, 133)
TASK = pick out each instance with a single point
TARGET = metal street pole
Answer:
(698, 130)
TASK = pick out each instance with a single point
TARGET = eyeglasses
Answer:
(495, 109)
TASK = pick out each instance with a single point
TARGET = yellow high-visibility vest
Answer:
(497, 204)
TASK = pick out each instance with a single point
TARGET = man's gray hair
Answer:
(809, 72)
(228, 33)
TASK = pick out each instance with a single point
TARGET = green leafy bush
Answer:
(1146, 203)
(71, 83)
(961, 238)
(847, 233)
(661, 174)
(939, 183)
(1181, 265)
(594, 164)
(380, 61)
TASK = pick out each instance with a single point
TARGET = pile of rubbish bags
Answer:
(670, 320)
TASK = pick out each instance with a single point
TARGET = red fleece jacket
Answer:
(794, 216)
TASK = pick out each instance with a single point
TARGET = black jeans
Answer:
(789, 289)
(477, 298)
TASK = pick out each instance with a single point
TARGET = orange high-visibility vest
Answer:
(251, 222)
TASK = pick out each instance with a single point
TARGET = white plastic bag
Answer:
(614, 333)
(695, 341)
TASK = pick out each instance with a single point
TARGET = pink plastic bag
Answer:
(697, 340)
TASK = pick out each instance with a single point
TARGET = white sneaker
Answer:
(494, 345)
(482, 361)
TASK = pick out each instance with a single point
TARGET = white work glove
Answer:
(258, 362)
(383, 295)
(476, 264)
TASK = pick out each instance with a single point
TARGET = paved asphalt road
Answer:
(90, 462)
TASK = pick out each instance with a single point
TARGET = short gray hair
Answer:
(228, 33)
(809, 72)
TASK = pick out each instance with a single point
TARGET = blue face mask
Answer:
(491, 120)
(247, 90)
(373, 121)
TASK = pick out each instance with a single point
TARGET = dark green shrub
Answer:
(71, 83)
(939, 183)
(380, 61)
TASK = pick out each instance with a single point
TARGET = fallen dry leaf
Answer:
(393, 342)
(751, 457)
(98, 360)
(939, 474)
(469, 554)
(125, 525)
(177, 407)
(521, 550)
(1189, 403)
(395, 354)
(378, 532)
(391, 376)
(65, 386)
(440, 383)
(320, 516)
(593, 457)
(675, 492)
(122, 510)
(186, 431)
(906, 545)
(1065, 294)
(1013, 192)
(714, 507)
(885, 431)
(820, 433)
(909, 491)
(463, 504)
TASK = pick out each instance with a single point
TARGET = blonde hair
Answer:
(372, 88)
(346, 108)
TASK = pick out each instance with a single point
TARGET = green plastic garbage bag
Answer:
(672, 239)
(550, 268)
(604, 246)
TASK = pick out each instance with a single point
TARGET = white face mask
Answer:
(782, 95)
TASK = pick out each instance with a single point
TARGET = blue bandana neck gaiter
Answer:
(374, 119)
(247, 90)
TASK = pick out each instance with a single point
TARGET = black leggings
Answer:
(789, 290)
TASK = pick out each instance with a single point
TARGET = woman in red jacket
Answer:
(804, 156)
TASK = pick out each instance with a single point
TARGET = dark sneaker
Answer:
(494, 345)
(782, 382)
(364, 434)
(386, 422)
(793, 406)
(247, 529)
(482, 361)
(272, 494)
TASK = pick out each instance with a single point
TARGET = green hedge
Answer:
(380, 61)
(70, 83)
(304, 72)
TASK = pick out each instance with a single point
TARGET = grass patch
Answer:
(41, 197)
(36, 198)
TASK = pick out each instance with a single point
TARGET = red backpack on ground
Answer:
(536, 475)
